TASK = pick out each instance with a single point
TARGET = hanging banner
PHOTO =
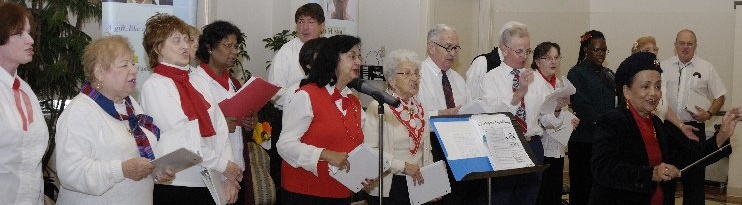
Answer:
(128, 17)
(341, 16)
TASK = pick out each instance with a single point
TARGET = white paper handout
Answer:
(215, 184)
(462, 140)
(436, 184)
(505, 148)
(364, 164)
(696, 99)
(550, 101)
(562, 133)
(176, 161)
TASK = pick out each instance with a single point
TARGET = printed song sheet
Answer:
(461, 140)
(550, 101)
(505, 148)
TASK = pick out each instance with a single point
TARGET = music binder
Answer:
(479, 167)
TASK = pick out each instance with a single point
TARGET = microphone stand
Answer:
(381, 150)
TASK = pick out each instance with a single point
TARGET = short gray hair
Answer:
(513, 29)
(434, 33)
(392, 61)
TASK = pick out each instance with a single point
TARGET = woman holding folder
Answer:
(217, 51)
(187, 113)
(406, 134)
(104, 141)
(634, 156)
(326, 121)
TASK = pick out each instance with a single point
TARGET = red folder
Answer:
(249, 99)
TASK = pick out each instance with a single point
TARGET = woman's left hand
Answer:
(164, 175)
(728, 124)
(248, 123)
(414, 172)
(575, 122)
(369, 185)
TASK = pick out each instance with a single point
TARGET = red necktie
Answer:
(26, 119)
(447, 92)
(344, 101)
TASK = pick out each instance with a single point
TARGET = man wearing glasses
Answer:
(511, 87)
(443, 91)
(686, 75)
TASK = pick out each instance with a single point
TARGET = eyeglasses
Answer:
(599, 50)
(549, 58)
(684, 44)
(449, 48)
(410, 74)
(520, 51)
(230, 46)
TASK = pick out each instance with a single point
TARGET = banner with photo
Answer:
(128, 17)
(341, 16)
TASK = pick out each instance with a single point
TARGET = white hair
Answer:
(434, 33)
(392, 61)
(512, 29)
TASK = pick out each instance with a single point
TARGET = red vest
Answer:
(331, 130)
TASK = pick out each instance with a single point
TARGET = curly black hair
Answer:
(585, 40)
(328, 56)
(212, 35)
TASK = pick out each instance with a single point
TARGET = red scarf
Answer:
(411, 115)
(651, 144)
(222, 79)
(191, 101)
(551, 80)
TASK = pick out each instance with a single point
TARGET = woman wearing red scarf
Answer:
(635, 160)
(406, 137)
(187, 113)
(326, 120)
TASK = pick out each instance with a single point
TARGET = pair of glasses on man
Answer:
(520, 51)
(449, 48)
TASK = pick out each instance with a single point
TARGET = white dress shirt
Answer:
(161, 100)
(299, 114)
(476, 72)
(681, 78)
(220, 94)
(497, 88)
(396, 144)
(285, 72)
(550, 122)
(90, 153)
(431, 88)
(20, 151)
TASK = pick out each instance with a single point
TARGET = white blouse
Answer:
(21, 151)
(161, 100)
(90, 153)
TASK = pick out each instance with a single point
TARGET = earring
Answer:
(627, 103)
(98, 85)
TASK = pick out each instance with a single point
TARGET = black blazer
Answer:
(620, 165)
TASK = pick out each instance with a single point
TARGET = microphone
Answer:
(378, 95)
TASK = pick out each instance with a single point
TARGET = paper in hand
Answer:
(249, 99)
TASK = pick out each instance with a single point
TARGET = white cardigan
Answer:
(91, 147)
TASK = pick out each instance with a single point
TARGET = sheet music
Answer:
(364, 164)
(505, 148)
(461, 140)
(436, 184)
(215, 184)
(562, 133)
(550, 101)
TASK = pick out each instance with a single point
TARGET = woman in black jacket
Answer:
(634, 156)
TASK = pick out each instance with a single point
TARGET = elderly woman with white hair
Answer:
(406, 135)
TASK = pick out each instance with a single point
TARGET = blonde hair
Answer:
(641, 42)
(157, 29)
(103, 52)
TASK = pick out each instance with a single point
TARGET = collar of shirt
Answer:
(6, 78)
(681, 65)
(434, 68)
(186, 68)
(499, 53)
(505, 69)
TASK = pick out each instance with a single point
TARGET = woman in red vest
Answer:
(326, 120)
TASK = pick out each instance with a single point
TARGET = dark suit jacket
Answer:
(620, 166)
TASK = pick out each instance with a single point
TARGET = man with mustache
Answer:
(683, 74)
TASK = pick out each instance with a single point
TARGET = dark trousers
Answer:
(693, 179)
(552, 182)
(473, 192)
(275, 162)
(291, 198)
(176, 195)
(397, 194)
(580, 178)
(521, 188)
